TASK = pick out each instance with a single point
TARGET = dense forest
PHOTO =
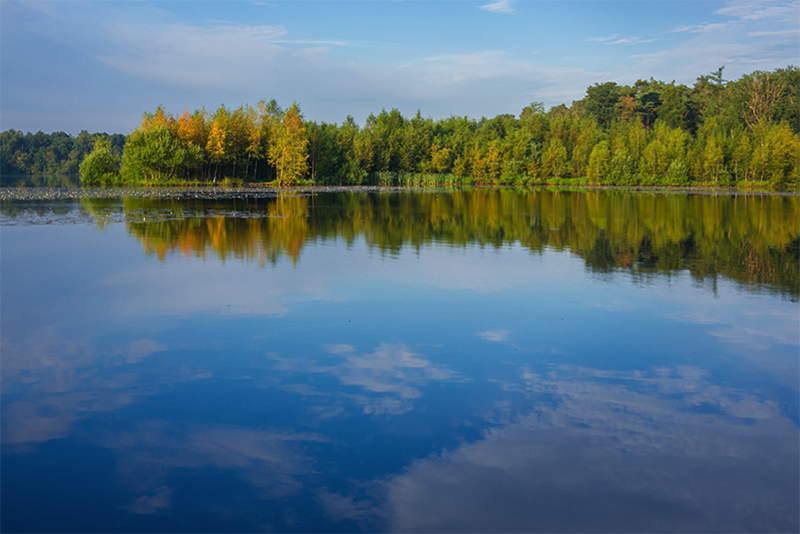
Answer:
(717, 132)
(58, 153)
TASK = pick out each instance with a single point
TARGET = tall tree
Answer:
(601, 101)
(288, 148)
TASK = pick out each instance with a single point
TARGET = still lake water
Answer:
(487, 360)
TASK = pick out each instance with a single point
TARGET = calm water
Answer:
(415, 361)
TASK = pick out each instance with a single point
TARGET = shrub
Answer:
(99, 167)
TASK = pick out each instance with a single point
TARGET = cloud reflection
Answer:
(385, 381)
(268, 460)
(58, 381)
(636, 456)
(494, 335)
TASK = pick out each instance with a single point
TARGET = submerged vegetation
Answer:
(718, 132)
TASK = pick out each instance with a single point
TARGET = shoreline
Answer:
(265, 191)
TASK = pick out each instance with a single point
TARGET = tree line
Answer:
(717, 132)
(57, 153)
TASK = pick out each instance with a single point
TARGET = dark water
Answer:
(472, 361)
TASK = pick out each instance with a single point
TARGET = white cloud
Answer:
(177, 62)
(182, 54)
(705, 27)
(754, 339)
(341, 349)
(602, 39)
(502, 6)
(141, 349)
(180, 63)
(780, 33)
(632, 40)
(391, 369)
(702, 56)
(760, 10)
(482, 73)
(386, 381)
(319, 42)
(616, 39)
(494, 335)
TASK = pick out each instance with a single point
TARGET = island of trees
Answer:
(717, 132)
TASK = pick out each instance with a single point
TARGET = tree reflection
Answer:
(263, 232)
(753, 239)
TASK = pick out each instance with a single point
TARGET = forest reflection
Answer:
(752, 239)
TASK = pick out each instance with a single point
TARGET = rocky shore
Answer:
(256, 192)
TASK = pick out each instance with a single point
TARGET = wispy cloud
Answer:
(632, 40)
(312, 42)
(760, 10)
(755, 339)
(782, 33)
(191, 55)
(616, 39)
(503, 6)
(602, 39)
(389, 378)
(705, 27)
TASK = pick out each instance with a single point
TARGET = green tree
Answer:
(601, 102)
(554, 159)
(586, 136)
(673, 105)
(156, 153)
(775, 155)
(100, 166)
(535, 121)
(599, 163)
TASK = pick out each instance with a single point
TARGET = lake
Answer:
(416, 360)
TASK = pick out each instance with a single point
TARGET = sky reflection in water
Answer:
(343, 384)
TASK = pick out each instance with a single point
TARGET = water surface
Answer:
(487, 360)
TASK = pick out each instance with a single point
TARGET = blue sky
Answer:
(97, 66)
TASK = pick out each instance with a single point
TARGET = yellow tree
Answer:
(159, 118)
(254, 137)
(554, 159)
(193, 128)
(494, 161)
(215, 148)
(238, 138)
(185, 127)
(440, 158)
(288, 148)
